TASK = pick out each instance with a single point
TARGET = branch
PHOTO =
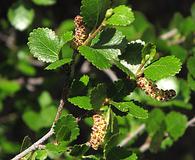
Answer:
(191, 123)
(37, 144)
(130, 135)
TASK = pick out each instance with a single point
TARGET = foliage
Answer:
(113, 110)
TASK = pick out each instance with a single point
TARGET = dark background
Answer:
(158, 12)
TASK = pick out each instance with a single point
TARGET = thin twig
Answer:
(132, 135)
(169, 34)
(35, 145)
(144, 147)
(191, 123)
(51, 131)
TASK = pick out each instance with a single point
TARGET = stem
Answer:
(35, 145)
(130, 135)
(93, 34)
(51, 131)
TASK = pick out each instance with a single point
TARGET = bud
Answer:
(109, 13)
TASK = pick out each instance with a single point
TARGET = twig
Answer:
(35, 145)
(49, 134)
(169, 34)
(130, 136)
(144, 147)
(191, 123)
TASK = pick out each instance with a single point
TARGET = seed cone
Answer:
(98, 131)
(152, 90)
(80, 31)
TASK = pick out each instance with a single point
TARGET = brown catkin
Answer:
(80, 31)
(98, 131)
(152, 90)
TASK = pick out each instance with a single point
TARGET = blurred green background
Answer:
(28, 92)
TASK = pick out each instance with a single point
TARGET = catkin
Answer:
(98, 131)
(152, 90)
(80, 31)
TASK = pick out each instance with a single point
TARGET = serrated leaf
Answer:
(154, 121)
(176, 124)
(132, 109)
(191, 65)
(164, 67)
(82, 102)
(56, 149)
(93, 11)
(44, 2)
(79, 150)
(58, 63)
(97, 96)
(179, 52)
(101, 58)
(20, 16)
(122, 16)
(66, 128)
(44, 44)
(110, 38)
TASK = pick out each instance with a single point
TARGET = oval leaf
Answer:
(164, 67)
(44, 44)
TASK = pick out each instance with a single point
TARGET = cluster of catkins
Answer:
(98, 131)
(152, 90)
(80, 31)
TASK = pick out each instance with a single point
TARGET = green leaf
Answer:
(44, 2)
(187, 26)
(44, 44)
(110, 38)
(41, 154)
(193, 10)
(132, 157)
(131, 58)
(32, 120)
(167, 142)
(66, 128)
(176, 124)
(58, 63)
(164, 67)
(97, 96)
(154, 121)
(191, 65)
(20, 16)
(67, 36)
(82, 102)
(118, 153)
(79, 150)
(56, 149)
(132, 109)
(84, 79)
(157, 139)
(191, 82)
(93, 11)
(179, 52)
(148, 53)
(101, 58)
(122, 16)
(9, 87)
(44, 99)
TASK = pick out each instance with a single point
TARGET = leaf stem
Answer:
(94, 33)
